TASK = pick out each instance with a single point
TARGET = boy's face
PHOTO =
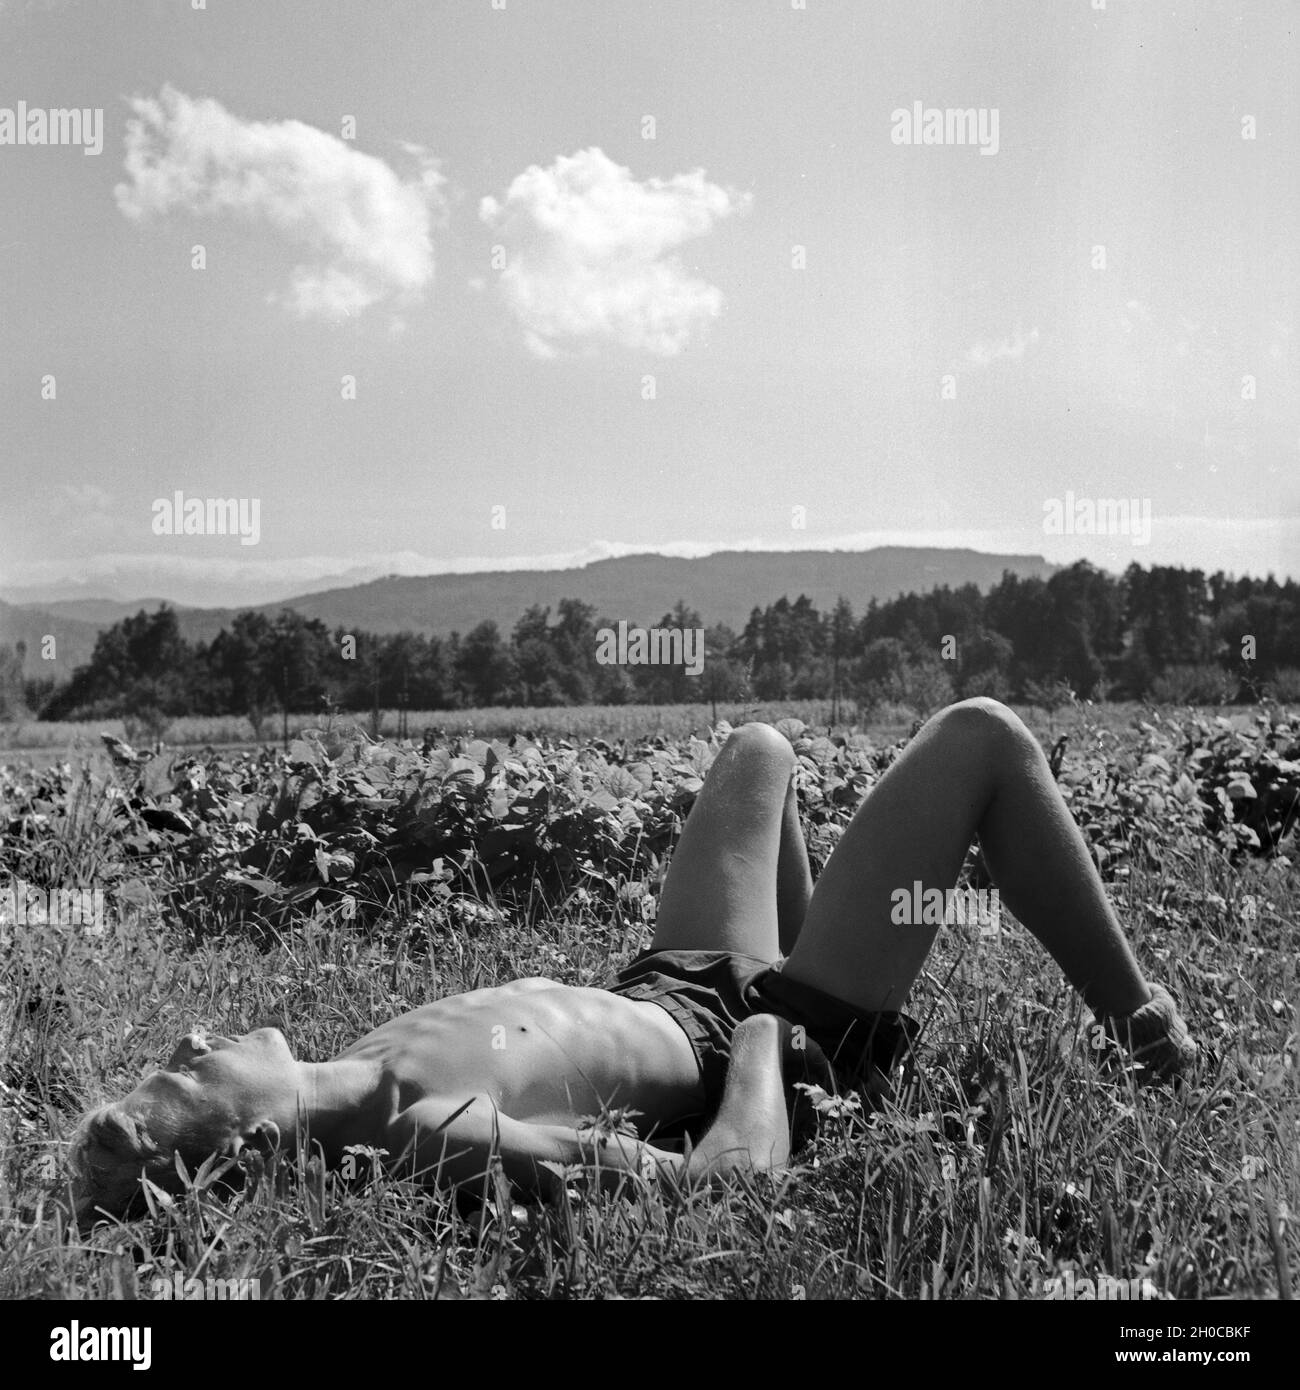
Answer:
(225, 1080)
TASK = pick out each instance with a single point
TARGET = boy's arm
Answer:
(455, 1143)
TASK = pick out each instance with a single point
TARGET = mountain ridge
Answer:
(723, 587)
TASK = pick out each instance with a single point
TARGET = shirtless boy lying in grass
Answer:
(702, 1032)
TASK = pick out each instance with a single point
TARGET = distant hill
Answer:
(723, 587)
(244, 587)
(74, 638)
(103, 612)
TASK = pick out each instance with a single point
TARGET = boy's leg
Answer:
(973, 769)
(794, 884)
(739, 877)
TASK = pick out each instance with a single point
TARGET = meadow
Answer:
(332, 885)
(70, 738)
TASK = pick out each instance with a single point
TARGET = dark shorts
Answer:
(710, 992)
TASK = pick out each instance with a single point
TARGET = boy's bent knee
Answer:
(761, 739)
(984, 721)
(986, 707)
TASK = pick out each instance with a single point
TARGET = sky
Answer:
(492, 283)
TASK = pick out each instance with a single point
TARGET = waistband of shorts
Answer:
(884, 1037)
(649, 959)
(708, 1041)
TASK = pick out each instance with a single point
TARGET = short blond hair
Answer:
(113, 1148)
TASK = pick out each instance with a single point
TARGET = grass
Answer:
(497, 721)
(1015, 1156)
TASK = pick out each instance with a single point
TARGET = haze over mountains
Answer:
(224, 586)
(723, 587)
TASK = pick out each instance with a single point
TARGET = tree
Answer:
(840, 641)
(239, 659)
(293, 661)
(1086, 628)
(780, 643)
(537, 663)
(672, 684)
(141, 668)
(483, 666)
(574, 635)
(12, 703)
(772, 680)
(613, 685)
(881, 661)
(926, 686)
(887, 671)
(725, 677)
(984, 666)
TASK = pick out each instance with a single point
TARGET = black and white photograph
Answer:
(649, 651)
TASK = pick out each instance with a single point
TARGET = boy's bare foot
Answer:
(1154, 1035)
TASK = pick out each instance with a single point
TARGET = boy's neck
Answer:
(350, 1100)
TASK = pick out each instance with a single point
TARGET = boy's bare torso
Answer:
(544, 1053)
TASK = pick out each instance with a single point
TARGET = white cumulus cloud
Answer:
(989, 350)
(363, 230)
(590, 254)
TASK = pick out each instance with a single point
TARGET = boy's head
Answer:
(215, 1095)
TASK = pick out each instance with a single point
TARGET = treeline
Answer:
(1163, 633)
